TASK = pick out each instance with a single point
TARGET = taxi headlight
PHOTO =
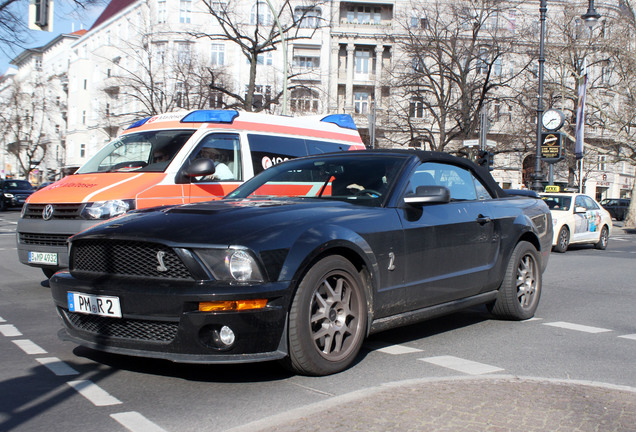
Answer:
(231, 265)
(8, 195)
(107, 209)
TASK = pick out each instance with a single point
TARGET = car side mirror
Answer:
(200, 167)
(580, 209)
(428, 195)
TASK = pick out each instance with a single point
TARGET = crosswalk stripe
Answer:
(29, 347)
(57, 366)
(94, 393)
(629, 336)
(135, 422)
(9, 330)
(577, 327)
(462, 365)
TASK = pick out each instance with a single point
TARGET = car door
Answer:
(449, 247)
(585, 226)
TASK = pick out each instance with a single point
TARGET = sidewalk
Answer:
(498, 403)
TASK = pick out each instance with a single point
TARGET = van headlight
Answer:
(107, 209)
(232, 265)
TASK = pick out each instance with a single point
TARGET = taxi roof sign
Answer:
(552, 188)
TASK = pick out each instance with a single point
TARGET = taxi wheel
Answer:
(328, 318)
(603, 239)
(563, 240)
(519, 293)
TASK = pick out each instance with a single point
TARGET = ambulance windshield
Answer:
(150, 151)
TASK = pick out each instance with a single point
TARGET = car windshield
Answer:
(558, 202)
(18, 185)
(150, 151)
(363, 179)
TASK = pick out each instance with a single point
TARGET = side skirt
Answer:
(423, 314)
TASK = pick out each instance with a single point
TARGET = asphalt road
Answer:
(584, 330)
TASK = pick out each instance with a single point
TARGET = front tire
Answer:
(328, 318)
(563, 240)
(519, 293)
(603, 239)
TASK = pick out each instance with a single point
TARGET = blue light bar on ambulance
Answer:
(210, 116)
(342, 120)
(138, 123)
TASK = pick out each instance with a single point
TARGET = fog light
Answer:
(227, 336)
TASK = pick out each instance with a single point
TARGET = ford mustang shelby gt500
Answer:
(304, 261)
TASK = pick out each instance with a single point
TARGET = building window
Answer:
(364, 15)
(601, 166)
(304, 100)
(107, 110)
(160, 51)
(261, 14)
(263, 59)
(606, 73)
(83, 149)
(416, 107)
(219, 7)
(179, 96)
(183, 52)
(38, 64)
(418, 22)
(84, 117)
(482, 62)
(362, 62)
(361, 102)
(216, 100)
(307, 58)
(185, 11)
(307, 17)
(162, 11)
(262, 95)
(217, 55)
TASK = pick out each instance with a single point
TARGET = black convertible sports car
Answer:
(304, 261)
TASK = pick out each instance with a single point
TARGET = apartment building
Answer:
(146, 56)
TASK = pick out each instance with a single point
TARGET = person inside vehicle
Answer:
(221, 170)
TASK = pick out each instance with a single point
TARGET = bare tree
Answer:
(452, 66)
(25, 122)
(256, 33)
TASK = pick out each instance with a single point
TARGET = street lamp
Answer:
(590, 18)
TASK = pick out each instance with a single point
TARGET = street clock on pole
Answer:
(553, 119)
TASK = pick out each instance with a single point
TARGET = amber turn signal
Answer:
(232, 305)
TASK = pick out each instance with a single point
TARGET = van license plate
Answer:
(43, 258)
(107, 306)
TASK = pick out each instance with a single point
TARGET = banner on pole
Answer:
(580, 115)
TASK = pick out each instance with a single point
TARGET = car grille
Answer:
(43, 239)
(155, 331)
(60, 211)
(126, 258)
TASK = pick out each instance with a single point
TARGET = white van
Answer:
(172, 158)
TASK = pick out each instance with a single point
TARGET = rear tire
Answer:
(519, 293)
(328, 318)
(563, 240)
(603, 239)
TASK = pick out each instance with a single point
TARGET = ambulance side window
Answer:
(320, 147)
(225, 151)
(268, 150)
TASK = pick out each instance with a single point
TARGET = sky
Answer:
(65, 20)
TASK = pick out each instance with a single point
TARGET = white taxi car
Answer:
(577, 219)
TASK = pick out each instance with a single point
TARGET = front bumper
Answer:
(161, 319)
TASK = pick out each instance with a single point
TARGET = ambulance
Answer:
(168, 159)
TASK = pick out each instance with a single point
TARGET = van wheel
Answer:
(328, 318)
(519, 293)
(563, 240)
(603, 239)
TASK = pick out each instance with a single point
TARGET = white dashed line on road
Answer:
(9, 330)
(94, 393)
(577, 327)
(629, 336)
(135, 422)
(29, 347)
(2, 319)
(462, 365)
(57, 366)
(393, 349)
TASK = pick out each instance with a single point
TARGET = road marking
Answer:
(630, 336)
(28, 346)
(9, 330)
(57, 366)
(135, 422)
(2, 319)
(577, 327)
(94, 393)
(462, 365)
(393, 349)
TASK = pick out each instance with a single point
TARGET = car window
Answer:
(589, 203)
(18, 185)
(225, 151)
(268, 150)
(463, 185)
(557, 202)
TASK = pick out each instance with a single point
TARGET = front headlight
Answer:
(8, 195)
(107, 209)
(232, 265)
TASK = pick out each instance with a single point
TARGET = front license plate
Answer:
(43, 258)
(107, 306)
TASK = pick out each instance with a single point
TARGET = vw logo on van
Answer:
(47, 213)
